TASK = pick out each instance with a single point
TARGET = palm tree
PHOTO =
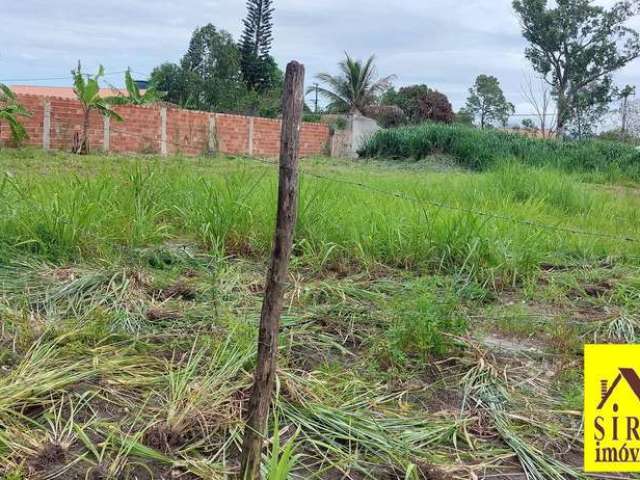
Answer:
(355, 89)
(88, 93)
(134, 95)
(10, 110)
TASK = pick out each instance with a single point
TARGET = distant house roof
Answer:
(63, 92)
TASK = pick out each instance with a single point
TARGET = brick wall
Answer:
(161, 130)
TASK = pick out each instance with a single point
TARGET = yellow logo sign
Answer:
(612, 408)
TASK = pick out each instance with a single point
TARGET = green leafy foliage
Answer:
(487, 102)
(209, 78)
(355, 89)
(420, 103)
(422, 321)
(134, 96)
(87, 91)
(480, 149)
(463, 117)
(576, 45)
(259, 70)
(10, 112)
(282, 458)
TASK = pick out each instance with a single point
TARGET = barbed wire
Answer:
(415, 200)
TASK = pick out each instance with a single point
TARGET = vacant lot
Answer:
(421, 339)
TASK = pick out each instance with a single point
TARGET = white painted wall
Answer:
(362, 129)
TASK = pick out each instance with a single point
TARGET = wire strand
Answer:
(68, 77)
(408, 198)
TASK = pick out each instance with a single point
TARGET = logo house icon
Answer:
(612, 409)
(632, 379)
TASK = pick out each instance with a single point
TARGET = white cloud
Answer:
(443, 43)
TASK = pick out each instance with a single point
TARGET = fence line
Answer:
(409, 198)
(403, 196)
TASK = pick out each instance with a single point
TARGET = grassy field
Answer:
(421, 339)
(483, 149)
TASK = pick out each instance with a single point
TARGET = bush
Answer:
(388, 116)
(422, 318)
(420, 103)
(312, 117)
(435, 106)
(482, 149)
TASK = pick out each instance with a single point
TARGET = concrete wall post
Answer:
(163, 131)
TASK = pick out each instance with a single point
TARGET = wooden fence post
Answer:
(264, 376)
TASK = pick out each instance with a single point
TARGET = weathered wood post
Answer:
(263, 383)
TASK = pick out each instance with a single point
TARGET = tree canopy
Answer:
(421, 103)
(356, 88)
(576, 45)
(209, 77)
(487, 102)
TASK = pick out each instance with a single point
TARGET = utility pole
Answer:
(626, 92)
(264, 377)
(317, 87)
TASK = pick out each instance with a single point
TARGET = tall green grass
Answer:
(481, 149)
(106, 207)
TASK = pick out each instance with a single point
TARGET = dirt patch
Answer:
(514, 346)
(65, 274)
(256, 288)
(594, 290)
(179, 290)
(163, 438)
(48, 456)
(159, 314)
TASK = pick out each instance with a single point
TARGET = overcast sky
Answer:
(443, 43)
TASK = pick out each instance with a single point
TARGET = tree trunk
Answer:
(84, 144)
(623, 130)
(276, 278)
(562, 113)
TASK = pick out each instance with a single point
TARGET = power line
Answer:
(444, 206)
(62, 78)
(403, 196)
(532, 114)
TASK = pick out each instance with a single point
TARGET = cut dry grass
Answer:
(130, 292)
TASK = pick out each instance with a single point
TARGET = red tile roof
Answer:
(64, 92)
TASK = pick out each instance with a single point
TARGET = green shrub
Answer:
(312, 117)
(482, 149)
(421, 318)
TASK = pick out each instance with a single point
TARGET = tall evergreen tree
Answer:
(258, 67)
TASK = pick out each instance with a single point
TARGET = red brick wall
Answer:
(138, 132)
(32, 124)
(232, 132)
(187, 131)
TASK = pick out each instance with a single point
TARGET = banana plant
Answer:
(87, 91)
(134, 95)
(10, 111)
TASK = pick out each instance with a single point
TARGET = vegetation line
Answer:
(405, 197)
(506, 218)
